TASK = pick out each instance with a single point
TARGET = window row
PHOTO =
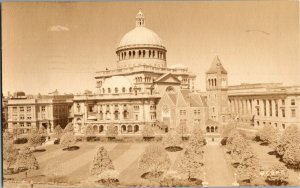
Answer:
(116, 90)
(142, 54)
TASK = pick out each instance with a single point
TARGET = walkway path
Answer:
(218, 172)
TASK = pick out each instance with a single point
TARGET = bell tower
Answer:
(216, 87)
(140, 19)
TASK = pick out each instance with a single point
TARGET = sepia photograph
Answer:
(150, 94)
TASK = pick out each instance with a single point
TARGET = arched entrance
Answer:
(129, 128)
(123, 128)
(136, 128)
(101, 128)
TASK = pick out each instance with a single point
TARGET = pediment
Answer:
(168, 78)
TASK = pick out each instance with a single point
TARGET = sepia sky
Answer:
(48, 46)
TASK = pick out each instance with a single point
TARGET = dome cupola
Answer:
(141, 46)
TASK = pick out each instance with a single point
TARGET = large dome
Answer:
(140, 36)
(141, 46)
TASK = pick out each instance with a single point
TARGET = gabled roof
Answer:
(216, 64)
(168, 78)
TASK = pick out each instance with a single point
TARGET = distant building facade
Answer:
(27, 113)
(255, 105)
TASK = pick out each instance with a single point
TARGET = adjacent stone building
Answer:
(255, 105)
(29, 112)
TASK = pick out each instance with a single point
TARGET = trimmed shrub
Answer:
(21, 141)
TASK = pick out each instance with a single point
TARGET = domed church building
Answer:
(127, 97)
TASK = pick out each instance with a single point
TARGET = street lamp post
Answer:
(235, 183)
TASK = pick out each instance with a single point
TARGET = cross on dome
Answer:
(140, 19)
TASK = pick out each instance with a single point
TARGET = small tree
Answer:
(249, 167)
(57, 132)
(89, 132)
(182, 129)
(289, 136)
(42, 130)
(270, 135)
(154, 160)
(196, 140)
(69, 128)
(101, 162)
(9, 151)
(111, 131)
(277, 174)
(171, 139)
(292, 155)
(68, 139)
(35, 139)
(190, 164)
(148, 132)
(26, 160)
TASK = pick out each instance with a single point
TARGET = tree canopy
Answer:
(154, 160)
(101, 162)
(171, 139)
(58, 131)
(35, 139)
(148, 131)
(68, 139)
(26, 160)
(289, 136)
(112, 131)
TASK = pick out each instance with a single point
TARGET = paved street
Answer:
(218, 173)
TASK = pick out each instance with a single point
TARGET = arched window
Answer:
(78, 107)
(129, 128)
(207, 129)
(116, 90)
(136, 128)
(215, 82)
(103, 90)
(153, 53)
(216, 129)
(95, 128)
(108, 90)
(101, 115)
(107, 115)
(129, 54)
(212, 129)
(124, 55)
(144, 53)
(149, 52)
(125, 114)
(140, 53)
(123, 128)
(133, 54)
(123, 90)
(130, 89)
(170, 89)
(116, 114)
(101, 128)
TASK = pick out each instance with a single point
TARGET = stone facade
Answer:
(255, 105)
(32, 113)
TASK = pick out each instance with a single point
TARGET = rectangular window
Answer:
(22, 117)
(43, 108)
(21, 124)
(257, 123)
(15, 117)
(283, 112)
(257, 111)
(15, 109)
(283, 102)
(136, 108)
(182, 112)
(283, 126)
(293, 102)
(29, 117)
(136, 117)
(257, 102)
(275, 124)
(28, 124)
(293, 112)
(21, 109)
(28, 109)
(43, 116)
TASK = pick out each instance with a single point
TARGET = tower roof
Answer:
(215, 66)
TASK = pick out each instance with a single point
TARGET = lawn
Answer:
(76, 163)
(267, 160)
